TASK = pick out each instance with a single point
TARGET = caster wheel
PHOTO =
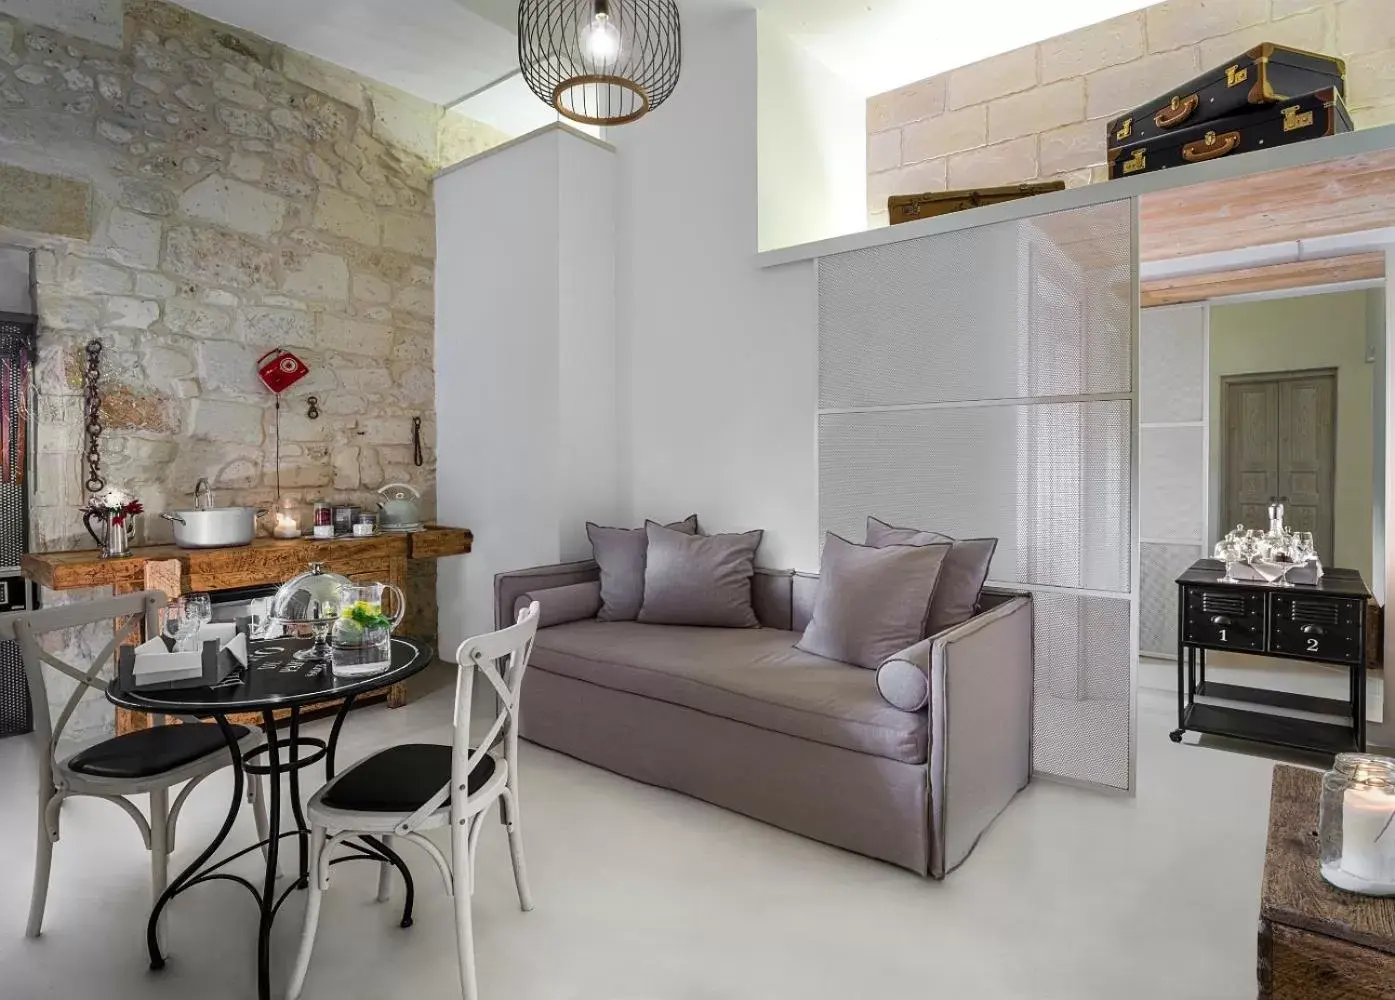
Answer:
(1175, 736)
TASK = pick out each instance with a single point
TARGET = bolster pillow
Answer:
(559, 605)
(904, 679)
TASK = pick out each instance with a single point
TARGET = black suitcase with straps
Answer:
(1267, 74)
(1311, 116)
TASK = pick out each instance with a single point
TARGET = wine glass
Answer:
(185, 616)
(1303, 550)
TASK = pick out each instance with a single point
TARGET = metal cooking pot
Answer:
(214, 527)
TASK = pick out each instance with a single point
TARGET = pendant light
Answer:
(600, 62)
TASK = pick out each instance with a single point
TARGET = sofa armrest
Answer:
(510, 586)
(980, 705)
(559, 605)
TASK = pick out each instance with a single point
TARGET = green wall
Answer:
(1292, 334)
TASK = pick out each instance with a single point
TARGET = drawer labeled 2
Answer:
(1322, 628)
(1227, 619)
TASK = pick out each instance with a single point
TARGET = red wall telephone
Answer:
(279, 369)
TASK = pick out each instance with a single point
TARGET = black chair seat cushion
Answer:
(148, 752)
(400, 779)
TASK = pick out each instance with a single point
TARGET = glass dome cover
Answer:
(312, 601)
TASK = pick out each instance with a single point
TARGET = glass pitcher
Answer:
(362, 640)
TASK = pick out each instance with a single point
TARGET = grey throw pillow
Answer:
(620, 554)
(961, 580)
(872, 602)
(699, 579)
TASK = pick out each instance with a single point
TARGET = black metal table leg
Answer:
(297, 810)
(268, 895)
(333, 743)
(157, 960)
(396, 861)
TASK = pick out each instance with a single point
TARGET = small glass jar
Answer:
(1356, 824)
(323, 519)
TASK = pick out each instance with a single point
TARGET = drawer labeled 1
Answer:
(1225, 619)
(1318, 628)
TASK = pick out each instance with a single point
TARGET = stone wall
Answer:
(197, 197)
(1039, 112)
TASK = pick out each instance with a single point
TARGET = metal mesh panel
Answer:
(1171, 506)
(16, 345)
(1050, 481)
(1172, 353)
(1159, 567)
(1083, 688)
(1019, 309)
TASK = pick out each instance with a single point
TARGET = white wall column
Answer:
(525, 361)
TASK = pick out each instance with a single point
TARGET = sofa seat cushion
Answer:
(754, 676)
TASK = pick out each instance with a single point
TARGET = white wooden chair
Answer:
(406, 790)
(146, 761)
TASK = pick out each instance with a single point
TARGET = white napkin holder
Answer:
(222, 649)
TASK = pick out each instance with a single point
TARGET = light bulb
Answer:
(600, 39)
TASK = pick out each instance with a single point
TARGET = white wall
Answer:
(525, 361)
(812, 145)
(718, 357)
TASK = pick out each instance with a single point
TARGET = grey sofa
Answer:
(742, 719)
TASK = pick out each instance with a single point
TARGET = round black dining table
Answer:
(273, 681)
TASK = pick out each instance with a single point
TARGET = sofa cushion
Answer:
(872, 603)
(620, 553)
(699, 579)
(754, 676)
(956, 597)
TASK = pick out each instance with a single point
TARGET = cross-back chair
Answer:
(147, 761)
(406, 790)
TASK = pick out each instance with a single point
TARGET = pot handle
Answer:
(262, 512)
(168, 517)
(87, 517)
(399, 600)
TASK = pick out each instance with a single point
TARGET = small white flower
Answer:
(113, 499)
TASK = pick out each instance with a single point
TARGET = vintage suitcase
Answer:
(909, 207)
(1309, 117)
(1265, 75)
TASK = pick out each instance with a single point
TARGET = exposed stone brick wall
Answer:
(1039, 112)
(240, 196)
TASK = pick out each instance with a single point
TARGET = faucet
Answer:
(203, 494)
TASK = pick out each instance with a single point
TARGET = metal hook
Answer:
(314, 411)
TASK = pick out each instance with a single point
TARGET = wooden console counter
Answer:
(266, 561)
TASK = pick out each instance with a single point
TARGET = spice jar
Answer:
(324, 519)
(1356, 824)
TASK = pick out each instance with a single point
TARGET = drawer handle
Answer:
(1312, 630)
(1221, 620)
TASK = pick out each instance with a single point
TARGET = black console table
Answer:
(1323, 623)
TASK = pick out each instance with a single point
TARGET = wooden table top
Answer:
(264, 556)
(1295, 893)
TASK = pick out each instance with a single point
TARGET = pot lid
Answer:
(314, 597)
(399, 491)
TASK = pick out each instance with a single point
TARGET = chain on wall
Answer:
(92, 416)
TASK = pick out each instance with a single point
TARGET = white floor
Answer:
(643, 894)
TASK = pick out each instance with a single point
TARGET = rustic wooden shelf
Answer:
(266, 561)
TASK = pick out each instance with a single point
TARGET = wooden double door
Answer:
(1280, 440)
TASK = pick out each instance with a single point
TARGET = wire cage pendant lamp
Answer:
(600, 62)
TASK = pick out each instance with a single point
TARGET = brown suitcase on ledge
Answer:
(1265, 75)
(909, 207)
(1312, 116)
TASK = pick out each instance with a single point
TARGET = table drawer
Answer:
(1322, 628)
(1227, 619)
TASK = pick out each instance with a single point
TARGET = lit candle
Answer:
(286, 526)
(1368, 834)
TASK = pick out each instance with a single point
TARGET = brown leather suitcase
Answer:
(909, 207)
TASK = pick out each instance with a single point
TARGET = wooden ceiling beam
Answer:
(1269, 278)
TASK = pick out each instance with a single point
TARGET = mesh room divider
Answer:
(982, 382)
(1173, 455)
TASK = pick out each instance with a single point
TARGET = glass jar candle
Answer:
(1356, 824)
(323, 526)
